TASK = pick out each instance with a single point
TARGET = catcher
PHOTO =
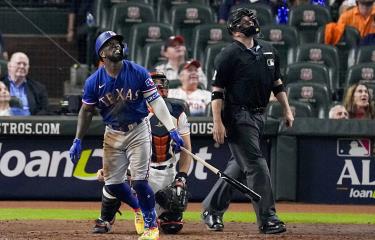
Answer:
(169, 185)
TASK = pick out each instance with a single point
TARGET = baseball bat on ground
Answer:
(233, 182)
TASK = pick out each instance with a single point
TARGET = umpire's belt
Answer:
(163, 167)
(126, 127)
(258, 110)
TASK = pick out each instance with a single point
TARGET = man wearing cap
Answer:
(196, 98)
(175, 52)
(362, 17)
(121, 90)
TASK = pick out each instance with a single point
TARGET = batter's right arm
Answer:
(218, 129)
(84, 120)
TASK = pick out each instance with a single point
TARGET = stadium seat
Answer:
(362, 72)
(299, 109)
(284, 38)
(365, 54)
(307, 18)
(262, 11)
(164, 7)
(125, 15)
(3, 68)
(144, 33)
(322, 54)
(206, 35)
(102, 9)
(185, 17)
(307, 71)
(211, 52)
(348, 42)
(153, 56)
(316, 94)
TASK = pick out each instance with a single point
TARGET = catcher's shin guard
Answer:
(110, 206)
(170, 223)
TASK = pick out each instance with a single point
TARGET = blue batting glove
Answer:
(177, 139)
(75, 150)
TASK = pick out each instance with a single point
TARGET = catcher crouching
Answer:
(169, 185)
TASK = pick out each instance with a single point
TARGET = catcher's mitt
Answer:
(173, 198)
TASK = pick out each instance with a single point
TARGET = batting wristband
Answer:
(217, 95)
(277, 89)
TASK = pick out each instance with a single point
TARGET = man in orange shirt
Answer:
(362, 17)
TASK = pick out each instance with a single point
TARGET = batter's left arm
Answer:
(161, 111)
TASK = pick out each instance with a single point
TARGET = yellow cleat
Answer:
(150, 234)
(139, 222)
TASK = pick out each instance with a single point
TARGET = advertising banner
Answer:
(40, 168)
(336, 170)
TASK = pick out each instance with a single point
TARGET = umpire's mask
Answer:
(237, 23)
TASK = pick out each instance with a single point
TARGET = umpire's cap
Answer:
(104, 37)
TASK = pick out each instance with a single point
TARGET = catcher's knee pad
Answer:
(170, 223)
(110, 206)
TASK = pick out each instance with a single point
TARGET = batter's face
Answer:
(4, 93)
(112, 50)
(18, 66)
(361, 96)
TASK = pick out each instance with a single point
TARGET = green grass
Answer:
(68, 214)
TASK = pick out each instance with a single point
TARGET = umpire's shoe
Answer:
(213, 222)
(272, 227)
(102, 226)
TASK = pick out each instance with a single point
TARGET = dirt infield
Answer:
(62, 229)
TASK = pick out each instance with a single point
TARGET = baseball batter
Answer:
(120, 90)
(163, 174)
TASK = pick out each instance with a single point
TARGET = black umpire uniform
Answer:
(248, 76)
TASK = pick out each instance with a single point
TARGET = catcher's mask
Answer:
(161, 83)
(237, 22)
(170, 223)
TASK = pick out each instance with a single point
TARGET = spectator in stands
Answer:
(196, 98)
(77, 26)
(5, 109)
(358, 102)
(338, 112)
(175, 52)
(30, 94)
(361, 17)
(3, 52)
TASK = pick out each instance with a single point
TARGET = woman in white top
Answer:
(4, 101)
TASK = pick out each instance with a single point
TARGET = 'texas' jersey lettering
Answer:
(119, 95)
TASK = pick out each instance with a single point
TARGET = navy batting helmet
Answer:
(104, 37)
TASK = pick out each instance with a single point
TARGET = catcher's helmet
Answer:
(161, 83)
(234, 21)
(104, 37)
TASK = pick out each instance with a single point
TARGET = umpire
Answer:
(246, 72)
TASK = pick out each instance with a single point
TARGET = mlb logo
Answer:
(351, 147)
